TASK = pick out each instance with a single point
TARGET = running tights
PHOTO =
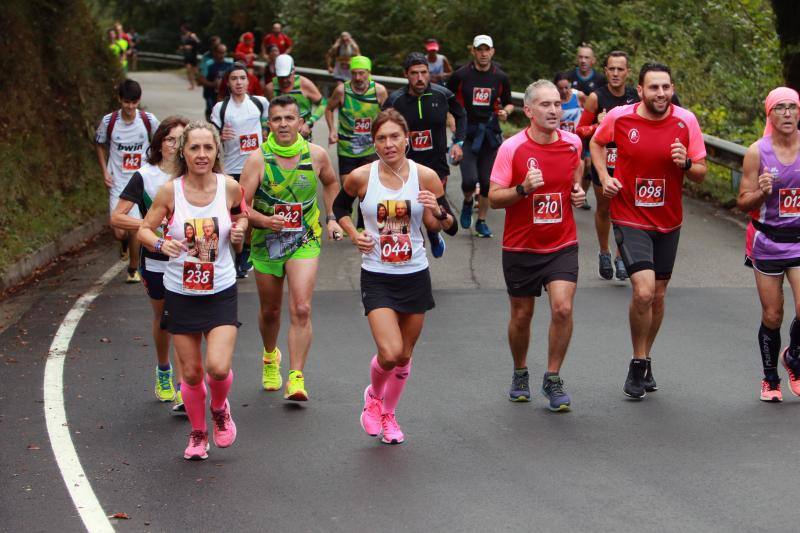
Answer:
(194, 398)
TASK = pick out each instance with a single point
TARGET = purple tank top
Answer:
(782, 207)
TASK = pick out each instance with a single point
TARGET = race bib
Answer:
(395, 249)
(131, 161)
(611, 158)
(568, 125)
(789, 205)
(650, 192)
(362, 126)
(547, 208)
(248, 143)
(198, 277)
(481, 96)
(292, 215)
(421, 141)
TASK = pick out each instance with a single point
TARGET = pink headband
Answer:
(776, 96)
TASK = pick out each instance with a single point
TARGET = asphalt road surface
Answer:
(701, 454)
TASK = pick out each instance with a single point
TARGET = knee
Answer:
(521, 316)
(772, 317)
(192, 373)
(270, 314)
(643, 297)
(562, 311)
(301, 313)
(393, 354)
(218, 371)
(120, 234)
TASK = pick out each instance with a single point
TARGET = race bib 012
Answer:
(789, 205)
(421, 141)
(396, 248)
(650, 192)
(292, 216)
(248, 143)
(547, 208)
(131, 161)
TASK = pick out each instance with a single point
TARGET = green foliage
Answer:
(61, 86)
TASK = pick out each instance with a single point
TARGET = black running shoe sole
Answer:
(631, 396)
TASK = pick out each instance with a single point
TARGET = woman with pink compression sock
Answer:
(200, 297)
(395, 280)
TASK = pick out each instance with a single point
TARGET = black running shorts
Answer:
(647, 250)
(526, 273)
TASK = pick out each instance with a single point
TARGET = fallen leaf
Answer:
(105, 340)
(121, 516)
(34, 447)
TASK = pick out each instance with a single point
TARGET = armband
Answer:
(240, 209)
(343, 205)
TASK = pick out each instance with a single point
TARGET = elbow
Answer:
(493, 200)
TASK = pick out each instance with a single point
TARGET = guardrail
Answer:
(720, 151)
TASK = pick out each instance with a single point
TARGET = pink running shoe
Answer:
(224, 427)
(770, 392)
(198, 446)
(794, 378)
(392, 434)
(371, 415)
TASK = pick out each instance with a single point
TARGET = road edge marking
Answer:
(84, 498)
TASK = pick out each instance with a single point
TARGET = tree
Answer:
(787, 15)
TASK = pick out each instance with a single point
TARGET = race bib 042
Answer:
(131, 161)
(292, 216)
(421, 141)
(248, 143)
(650, 192)
(547, 208)
(789, 205)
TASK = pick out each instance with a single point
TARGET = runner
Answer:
(359, 101)
(189, 44)
(277, 38)
(121, 141)
(140, 192)
(438, 65)
(770, 191)
(307, 95)
(485, 92)
(280, 182)
(246, 48)
(584, 77)
(397, 196)
(658, 144)
(572, 101)
(269, 69)
(425, 106)
(213, 74)
(614, 94)
(239, 119)
(536, 179)
(200, 278)
(339, 56)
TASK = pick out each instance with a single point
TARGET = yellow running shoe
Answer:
(133, 277)
(271, 376)
(296, 387)
(165, 390)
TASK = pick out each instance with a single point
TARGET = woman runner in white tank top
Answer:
(397, 197)
(200, 279)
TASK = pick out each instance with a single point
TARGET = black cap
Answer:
(414, 58)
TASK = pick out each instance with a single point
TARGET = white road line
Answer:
(78, 485)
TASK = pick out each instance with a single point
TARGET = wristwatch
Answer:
(687, 165)
(330, 218)
(521, 190)
(442, 216)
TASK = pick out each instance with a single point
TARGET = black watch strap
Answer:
(521, 190)
(687, 165)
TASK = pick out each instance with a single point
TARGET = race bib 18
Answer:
(650, 192)
(421, 140)
(611, 158)
(131, 161)
(547, 208)
(481, 96)
(292, 216)
(198, 277)
(789, 205)
(248, 143)
(395, 248)
(362, 126)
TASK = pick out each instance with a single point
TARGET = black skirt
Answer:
(202, 313)
(403, 293)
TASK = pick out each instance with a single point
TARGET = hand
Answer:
(108, 179)
(305, 130)
(334, 231)
(276, 222)
(173, 248)
(456, 153)
(227, 133)
(611, 187)
(533, 180)
(237, 233)
(678, 154)
(578, 195)
(502, 115)
(765, 181)
(333, 137)
(364, 242)
(428, 200)
(601, 116)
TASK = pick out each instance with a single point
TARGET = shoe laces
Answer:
(221, 418)
(555, 386)
(197, 437)
(163, 379)
(271, 370)
(520, 382)
(389, 424)
(373, 406)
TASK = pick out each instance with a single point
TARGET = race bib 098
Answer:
(650, 192)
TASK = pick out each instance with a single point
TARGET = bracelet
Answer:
(159, 243)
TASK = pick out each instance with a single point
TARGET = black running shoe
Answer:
(634, 384)
(649, 381)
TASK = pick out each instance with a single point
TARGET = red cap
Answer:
(432, 46)
(248, 36)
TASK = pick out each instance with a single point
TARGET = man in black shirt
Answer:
(584, 77)
(485, 92)
(425, 107)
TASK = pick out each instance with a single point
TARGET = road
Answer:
(701, 454)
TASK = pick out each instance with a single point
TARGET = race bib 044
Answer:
(248, 143)
(789, 205)
(547, 208)
(421, 141)
(292, 216)
(396, 248)
(650, 192)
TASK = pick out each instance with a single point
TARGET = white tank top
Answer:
(207, 266)
(394, 218)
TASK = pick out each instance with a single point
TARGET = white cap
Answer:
(482, 39)
(284, 64)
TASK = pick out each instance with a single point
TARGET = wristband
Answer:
(330, 218)
(442, 215)
(159, 243)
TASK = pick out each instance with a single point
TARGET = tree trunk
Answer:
(787, 15)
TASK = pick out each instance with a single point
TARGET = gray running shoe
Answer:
(605, 270)
(621, 271)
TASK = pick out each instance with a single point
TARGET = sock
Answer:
(378, 377)
(270, 356)
(794, 338)
(219, 390)
(131, 270)
(769, 342)
(521, 371)
(394, 388)
(164, 368)
(548, 374)
(293, 373)
(178, 386)
(194, 400)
